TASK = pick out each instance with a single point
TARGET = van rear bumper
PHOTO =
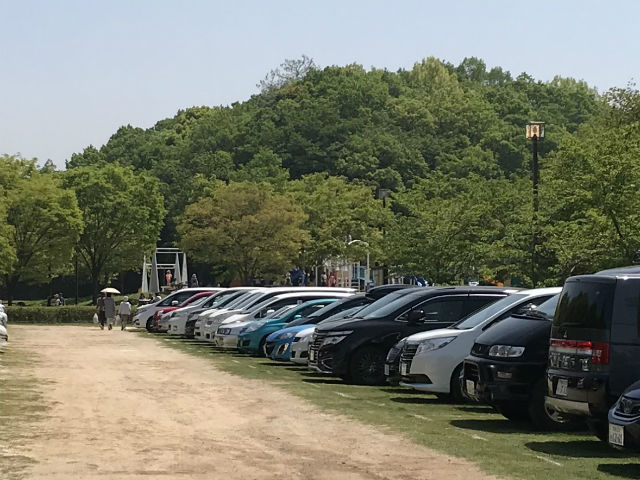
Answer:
(568, 406)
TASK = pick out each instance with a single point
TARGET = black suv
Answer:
(507, 368)
(594, 351)
(355, 348)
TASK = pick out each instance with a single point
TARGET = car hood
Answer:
(439, 333)
(633, 391)
(307, 332)
(296, 329)
(235, 325)
(344, 324)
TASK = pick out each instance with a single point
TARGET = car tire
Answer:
(367, 366)
(149, 325)
(263, 340)
(545, 418)
(455, 386)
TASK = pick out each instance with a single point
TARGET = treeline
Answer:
(447, 142)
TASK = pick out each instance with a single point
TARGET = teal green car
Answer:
(252, 339)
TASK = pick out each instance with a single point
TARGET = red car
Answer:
(159, 327)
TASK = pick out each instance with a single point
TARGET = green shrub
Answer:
(47, 315)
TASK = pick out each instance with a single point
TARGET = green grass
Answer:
(471, 431)
(21, 407)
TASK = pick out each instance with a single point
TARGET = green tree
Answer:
(246, 229)
(122, 212)
(337, 209)
(46, 224)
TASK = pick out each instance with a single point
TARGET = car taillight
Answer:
(599, 351)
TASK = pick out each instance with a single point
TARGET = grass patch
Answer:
(21, 407)
(470, 431)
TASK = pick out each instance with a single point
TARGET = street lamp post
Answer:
(366, 272)
(534, 132)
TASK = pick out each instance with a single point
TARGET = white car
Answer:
(163, 323)
(179, 318)
(246, 311)
(206, 318)
(300, 346)
(277, 304)
(431, 361)
(145, 313)
(4, 335)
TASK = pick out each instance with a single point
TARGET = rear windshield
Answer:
(585, 305)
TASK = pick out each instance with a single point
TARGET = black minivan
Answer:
(507, 368)
(594, 352)
(355, 348)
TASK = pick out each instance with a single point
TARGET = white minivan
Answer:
(431, 361)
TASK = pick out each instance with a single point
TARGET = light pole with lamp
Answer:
(534, 132)
(366, 272)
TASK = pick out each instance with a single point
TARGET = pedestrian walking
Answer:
(100, 308)
(110, 310)
(124, 310)
(193, 283)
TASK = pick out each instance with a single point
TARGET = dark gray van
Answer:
(594, 352)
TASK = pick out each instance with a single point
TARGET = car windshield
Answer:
(390, 304)
(179, 297)
(199, 301)
(222, 299)
(585, 305)
(479, 316)
(381, 303)
(544, 311)
(281, 311)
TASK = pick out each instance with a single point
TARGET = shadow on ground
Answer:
(588, 448)
(624, 470)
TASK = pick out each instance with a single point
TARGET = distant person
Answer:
(124, 310)
(49, 300)
(110, 310)
(56, 300)
(193, 283)
(168, 277)
(100, 308)
(61, 300)
(332, 280)
(157, 298)
(323, 279)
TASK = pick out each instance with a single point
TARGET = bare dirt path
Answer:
(120, 406)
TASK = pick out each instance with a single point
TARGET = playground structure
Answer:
(150, 271)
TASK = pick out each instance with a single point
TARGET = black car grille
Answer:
(316, 343)
(480, 350)
(471, 372)
(408, 352)
(628, 407)
(224, 331)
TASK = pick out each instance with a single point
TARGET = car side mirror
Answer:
(415, 316)
(174, 303)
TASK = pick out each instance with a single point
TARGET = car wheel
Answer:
(546, 418)
(367, 366)
(455, 386)
(149, 326)
(263, 340)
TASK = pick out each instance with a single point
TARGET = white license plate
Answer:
(616, 435)
(403, 369)
(312, 355)
(387, 372)
(471, 387)
(561, 387)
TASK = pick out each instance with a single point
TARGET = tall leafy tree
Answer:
(245, 229)
(123, 214)
(46, 224)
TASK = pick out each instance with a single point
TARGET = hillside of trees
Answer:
(311, 151)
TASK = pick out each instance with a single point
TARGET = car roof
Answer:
(541, 291)
(621, 271)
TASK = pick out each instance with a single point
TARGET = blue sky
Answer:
(72, 72)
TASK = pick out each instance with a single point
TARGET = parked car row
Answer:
(555, 357)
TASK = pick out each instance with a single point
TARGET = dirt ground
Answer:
(121, 406)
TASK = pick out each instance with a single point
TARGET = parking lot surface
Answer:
(121, 406)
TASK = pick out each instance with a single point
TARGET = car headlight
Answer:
(505, 351)
(433, 344)
(285, 336)
(394, 351)
(336, 337)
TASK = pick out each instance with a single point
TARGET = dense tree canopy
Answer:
(316, 145)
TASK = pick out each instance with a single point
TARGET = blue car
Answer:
(278, 344)
(253, 337)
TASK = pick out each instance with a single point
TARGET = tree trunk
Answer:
(12, 283)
